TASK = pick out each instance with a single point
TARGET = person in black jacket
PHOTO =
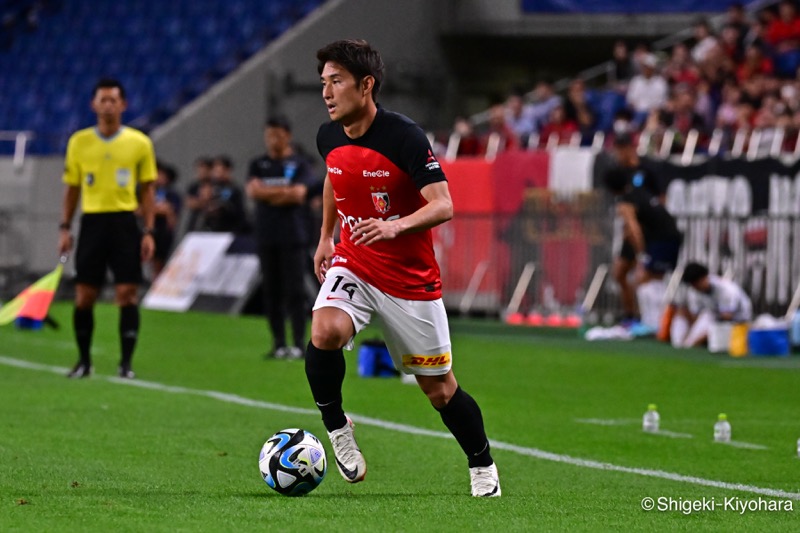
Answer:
(279, 182)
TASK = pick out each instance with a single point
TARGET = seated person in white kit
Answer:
(711, 299)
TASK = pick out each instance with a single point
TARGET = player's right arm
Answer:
(632, 229)
(325, 248)
(71, 195)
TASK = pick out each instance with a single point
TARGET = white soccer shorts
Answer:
(415, 331)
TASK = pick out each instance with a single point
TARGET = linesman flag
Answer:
(33, 302)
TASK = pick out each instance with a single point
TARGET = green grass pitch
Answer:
(179, 452)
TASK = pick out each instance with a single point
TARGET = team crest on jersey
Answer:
(381, 201)
(431, 163)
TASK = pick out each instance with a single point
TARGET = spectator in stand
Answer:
(622, 126)
(679, 67)
(202, 180)
(647, 91)
(497, 125)
(167, 210)
(753, 90)
(754, 63)
(640, 53)
(783, 35)
(705, 42)
(469, 143)
(519, 117)
(707, 99)
(578, 109)
(224, 200)
(558, 127)
(543, 101)
(727, 114)
(758, 29)
(621, 66)
(683, 118)
(731, 43)
(745, 116)
(736, 17)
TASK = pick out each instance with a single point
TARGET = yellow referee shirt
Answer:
(108, 169)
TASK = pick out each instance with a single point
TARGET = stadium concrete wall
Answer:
(31, 196)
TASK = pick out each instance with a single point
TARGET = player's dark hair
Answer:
(694, 272)
(204, 161)
(357, 57)
(623, 140)
(108, 83)
(279, 121)
(169, 171)
(617, 179)
(224, 160)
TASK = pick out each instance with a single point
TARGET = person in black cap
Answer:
(279, 183)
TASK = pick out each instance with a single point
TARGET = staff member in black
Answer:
(651, 230)
(279, 182)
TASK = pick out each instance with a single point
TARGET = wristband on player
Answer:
(66, 226)
(148, 231)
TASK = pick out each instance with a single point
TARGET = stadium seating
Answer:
(165, 53)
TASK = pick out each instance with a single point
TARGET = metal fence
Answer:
(566, 240)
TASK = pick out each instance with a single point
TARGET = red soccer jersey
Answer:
(379, 175)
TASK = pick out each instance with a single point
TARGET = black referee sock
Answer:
(128, 332)
(325, 373)
(463, 418)
(83, 324)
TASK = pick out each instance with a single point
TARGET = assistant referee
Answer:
(106, 165)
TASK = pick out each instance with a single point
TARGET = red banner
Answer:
(486, 197)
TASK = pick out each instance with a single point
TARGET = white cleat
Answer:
(348, 457)
(485, 481)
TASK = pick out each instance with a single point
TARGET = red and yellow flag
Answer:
(34, 301)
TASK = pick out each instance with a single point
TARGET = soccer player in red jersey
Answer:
(386, 189)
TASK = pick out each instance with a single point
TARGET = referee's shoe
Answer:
(80, 370)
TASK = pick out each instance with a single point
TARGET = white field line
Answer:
(403, 428)
(747, 445)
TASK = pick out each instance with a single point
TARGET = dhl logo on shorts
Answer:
(442, 359)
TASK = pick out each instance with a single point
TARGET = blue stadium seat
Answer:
(165, 52)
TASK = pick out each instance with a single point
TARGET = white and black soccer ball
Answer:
(293, 462)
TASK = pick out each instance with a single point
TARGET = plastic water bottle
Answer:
(798, 447)
(651, 419)
(722, 429)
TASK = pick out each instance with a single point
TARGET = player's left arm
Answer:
(147, 205)
(418, 161)
(439, 209)
(147, 202)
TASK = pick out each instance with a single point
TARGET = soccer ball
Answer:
(293, 462)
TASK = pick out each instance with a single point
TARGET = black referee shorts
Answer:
(109, 240)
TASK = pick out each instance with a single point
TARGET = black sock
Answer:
(128, 332)
(463, 418)
(325, 373)
(83, 324)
